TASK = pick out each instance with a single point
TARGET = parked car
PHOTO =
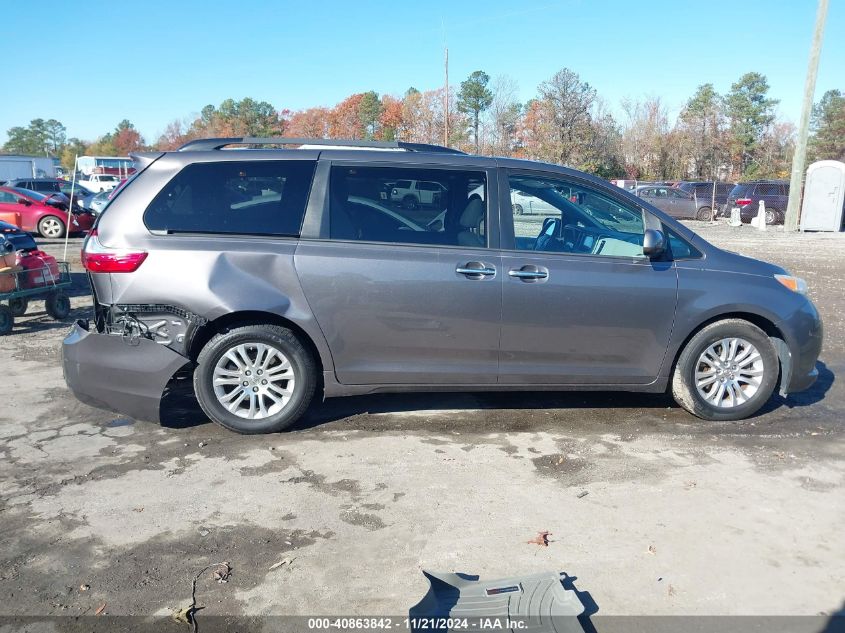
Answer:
(703, 191)
(747, 196)
(414, 193)
(677, 203)
(99, 182)
(269, 299)
(38, 215)
(54, 185)
(523, 203)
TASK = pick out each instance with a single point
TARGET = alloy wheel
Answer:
(253, 380)
(729, 372)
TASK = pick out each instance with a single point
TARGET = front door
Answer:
(581, 303)
(406, 294)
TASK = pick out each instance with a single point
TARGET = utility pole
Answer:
(800, 156)
(446, 100)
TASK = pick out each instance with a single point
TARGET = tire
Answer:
(18, 306)
(703, 214)
(409, 202)
(214, 359)
(518, 210)
(51, 227)
(58, 305)
(739, 399)
(7, 320)
(773, 216)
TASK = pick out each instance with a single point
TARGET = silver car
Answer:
(272, 276)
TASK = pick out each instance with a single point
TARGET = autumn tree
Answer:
(567, 102)
(750, 112)
(127, 139)
(505, 113)
(474, 98)
(391, 121)
(309, 123)
(828, 127)
(345, 118)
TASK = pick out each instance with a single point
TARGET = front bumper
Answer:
(110, 372)
(805, 334)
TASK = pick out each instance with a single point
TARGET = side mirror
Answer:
(24, 202)
(654, 243)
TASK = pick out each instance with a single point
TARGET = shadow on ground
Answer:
(180, 409)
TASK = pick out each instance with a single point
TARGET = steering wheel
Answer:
(548, 233)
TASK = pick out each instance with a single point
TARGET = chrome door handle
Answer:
(528, 274)
(475, 268)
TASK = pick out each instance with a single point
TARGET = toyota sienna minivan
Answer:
(277, 270)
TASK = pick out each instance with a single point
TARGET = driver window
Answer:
(555, 216)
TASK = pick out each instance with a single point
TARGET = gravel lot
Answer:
(681, 517)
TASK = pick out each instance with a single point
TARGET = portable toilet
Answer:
(824, 195)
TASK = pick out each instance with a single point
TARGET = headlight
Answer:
(795, 284)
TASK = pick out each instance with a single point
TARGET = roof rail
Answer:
(204, 144)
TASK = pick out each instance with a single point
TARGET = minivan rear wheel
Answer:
(727, 371)
(255, 379)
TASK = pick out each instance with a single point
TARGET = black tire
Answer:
(409, 202)
(683, 379)
(703, 214)
(518, 210)
(58, 305)
(304, 370)
(51, 227)
(18, 306)
(7, 320)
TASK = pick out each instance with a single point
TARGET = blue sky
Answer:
(96, 63)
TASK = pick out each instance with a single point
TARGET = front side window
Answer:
(243, 197)
(566, 217)
(378, 204)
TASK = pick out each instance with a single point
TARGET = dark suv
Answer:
(747, 196)
(704, 193)
(277, 274)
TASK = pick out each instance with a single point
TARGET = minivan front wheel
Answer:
(727, 371)
(255, 379)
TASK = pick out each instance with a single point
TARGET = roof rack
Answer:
(204, 144)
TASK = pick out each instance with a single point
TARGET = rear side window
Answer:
(768, 190)
(243, 197)
(448, 207)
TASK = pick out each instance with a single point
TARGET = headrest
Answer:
(472, 215)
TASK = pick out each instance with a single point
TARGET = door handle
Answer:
(475, 270)
(529, 273)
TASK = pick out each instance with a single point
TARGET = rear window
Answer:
(741, 191)
(243, 197)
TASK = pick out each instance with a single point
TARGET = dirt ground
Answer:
(680, 517)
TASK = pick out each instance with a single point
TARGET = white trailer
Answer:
(16, 166)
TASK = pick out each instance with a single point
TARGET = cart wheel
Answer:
(18, 306)
(58, 305)
(7, 320)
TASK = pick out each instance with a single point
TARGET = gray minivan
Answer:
(277, 269)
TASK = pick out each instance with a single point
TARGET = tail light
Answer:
(97, 258)
(742, 202)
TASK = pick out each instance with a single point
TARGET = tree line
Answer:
(730, 136)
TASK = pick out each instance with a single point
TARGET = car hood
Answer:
(728, 261)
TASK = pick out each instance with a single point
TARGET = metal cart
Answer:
(17, 293)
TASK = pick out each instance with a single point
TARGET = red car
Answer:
(39, 213)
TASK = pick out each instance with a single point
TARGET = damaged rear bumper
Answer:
(118, 373)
